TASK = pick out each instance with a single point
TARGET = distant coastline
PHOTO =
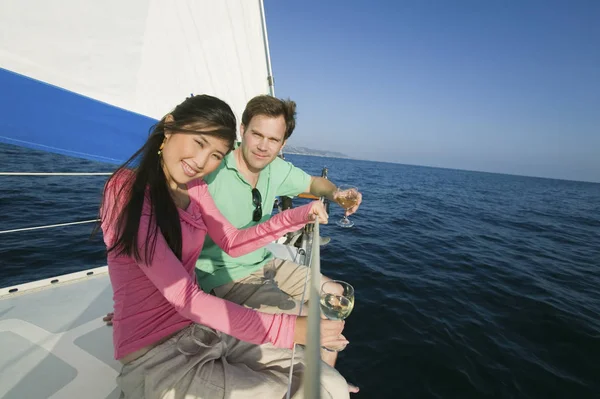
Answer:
(293, 150)
(289, 149)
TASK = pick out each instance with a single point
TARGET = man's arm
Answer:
(321, 187)
(295, 181)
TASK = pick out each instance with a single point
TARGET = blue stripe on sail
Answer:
(41, 116)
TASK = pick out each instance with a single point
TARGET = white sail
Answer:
(144, 56)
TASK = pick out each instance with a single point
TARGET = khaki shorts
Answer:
(277, 287)
(199, 362)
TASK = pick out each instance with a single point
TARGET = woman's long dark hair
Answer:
(197, 114)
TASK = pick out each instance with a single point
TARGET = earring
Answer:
(161, 147)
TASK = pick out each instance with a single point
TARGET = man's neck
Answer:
(243, 167)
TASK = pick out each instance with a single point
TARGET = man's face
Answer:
(262, 139)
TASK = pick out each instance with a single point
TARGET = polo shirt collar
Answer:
(231, 163)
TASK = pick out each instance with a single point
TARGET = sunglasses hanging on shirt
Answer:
(257, 201)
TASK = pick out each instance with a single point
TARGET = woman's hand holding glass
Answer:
(331, 332)
(337, 302)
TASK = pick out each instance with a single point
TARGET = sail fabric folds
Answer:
(89, 78)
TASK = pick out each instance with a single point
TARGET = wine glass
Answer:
(337, 302)
(347, 197)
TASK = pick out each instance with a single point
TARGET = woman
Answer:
(173, 339)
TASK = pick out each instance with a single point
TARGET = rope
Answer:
(49, 226)
(55, 173)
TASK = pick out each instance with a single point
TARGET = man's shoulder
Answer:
(281, 166)
(288, 178)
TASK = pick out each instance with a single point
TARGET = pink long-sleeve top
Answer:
(152, 301)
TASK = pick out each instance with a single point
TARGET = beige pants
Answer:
(199, 362)
(277, 287)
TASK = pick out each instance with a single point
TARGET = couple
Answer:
(173, 338)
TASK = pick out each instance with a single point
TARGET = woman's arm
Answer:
(172, 280)
(236, 242)
(169, 276)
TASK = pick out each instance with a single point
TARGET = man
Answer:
(244, 188)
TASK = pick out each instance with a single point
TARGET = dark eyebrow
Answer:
(270, 138)
(206, 142)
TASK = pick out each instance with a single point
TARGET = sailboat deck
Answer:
(55, 344)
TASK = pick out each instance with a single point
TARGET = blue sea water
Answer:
(468, 284)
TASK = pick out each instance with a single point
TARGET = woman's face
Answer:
(190, 156)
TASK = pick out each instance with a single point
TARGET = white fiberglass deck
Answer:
(54, 343)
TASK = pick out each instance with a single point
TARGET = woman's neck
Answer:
(181, 198)
(179, 192)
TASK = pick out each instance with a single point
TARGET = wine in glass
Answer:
(337, 302)
(347, 197)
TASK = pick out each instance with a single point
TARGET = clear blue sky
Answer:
(499, 86)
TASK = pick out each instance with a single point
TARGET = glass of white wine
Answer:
(337, 302)
(347, 197)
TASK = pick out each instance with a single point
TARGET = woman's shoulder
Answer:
(197, 188)
(118, 186)
(120, 178)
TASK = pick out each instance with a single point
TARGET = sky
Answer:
(498, 86)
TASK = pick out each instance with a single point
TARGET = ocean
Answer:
(468, 284)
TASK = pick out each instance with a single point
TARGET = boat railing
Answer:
(49, 226)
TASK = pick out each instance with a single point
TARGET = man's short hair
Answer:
(272, 107)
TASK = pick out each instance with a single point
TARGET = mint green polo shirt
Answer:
(233, 196)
